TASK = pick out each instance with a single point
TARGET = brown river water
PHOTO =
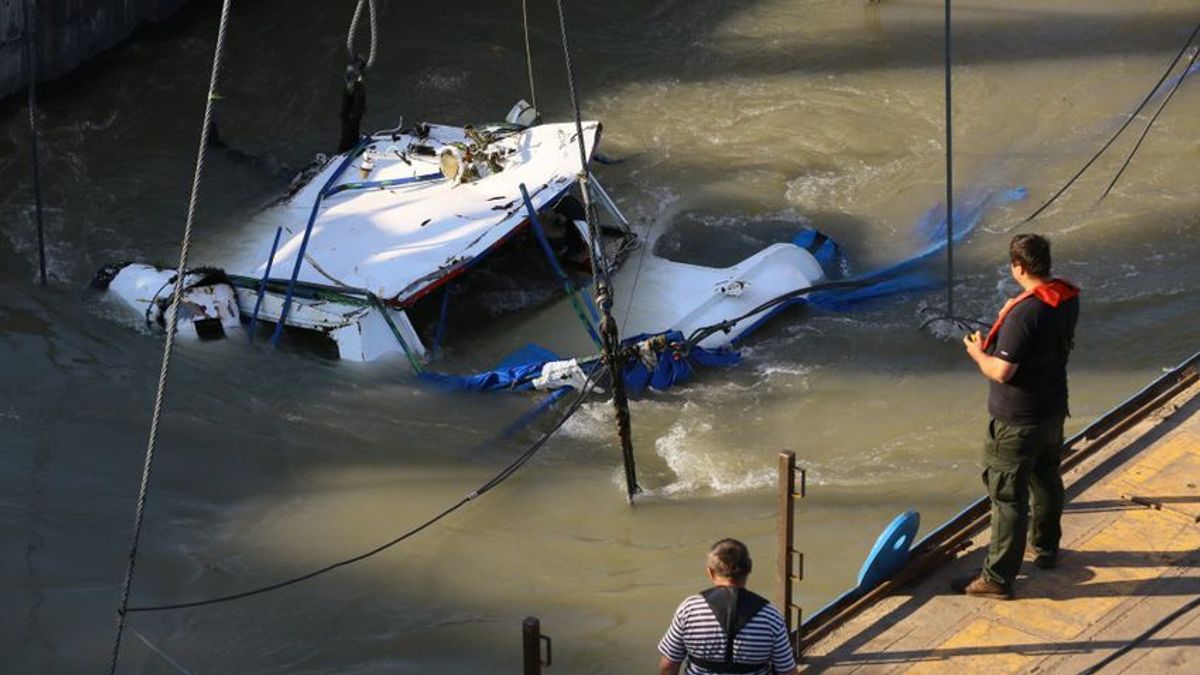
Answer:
(739, 122)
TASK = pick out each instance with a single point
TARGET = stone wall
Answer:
(68, 33)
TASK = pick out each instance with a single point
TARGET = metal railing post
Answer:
(531, 646)
(789, 568)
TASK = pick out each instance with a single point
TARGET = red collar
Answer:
(1053, 293)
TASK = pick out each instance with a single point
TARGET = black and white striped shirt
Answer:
(696, 632)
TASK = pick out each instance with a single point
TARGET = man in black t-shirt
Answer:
(1024, 357)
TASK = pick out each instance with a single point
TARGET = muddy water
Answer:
(738, 123)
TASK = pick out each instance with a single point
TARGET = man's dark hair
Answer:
(730, 558)
(1032, 253)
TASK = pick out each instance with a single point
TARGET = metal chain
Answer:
(172, 314)
(354, 30)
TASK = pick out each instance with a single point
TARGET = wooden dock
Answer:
(1130, 559)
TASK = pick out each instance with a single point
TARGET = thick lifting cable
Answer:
(1150, 125)
(31, 67)
(613, 353)
(949, 173)
(1113, 138)
(172, 313)
(528, 54)
(352, 33)
(949, 315)
(496, 480)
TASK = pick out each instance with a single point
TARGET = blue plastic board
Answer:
(890, 552)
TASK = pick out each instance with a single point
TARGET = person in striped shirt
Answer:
(727, 628)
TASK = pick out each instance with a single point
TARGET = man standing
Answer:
(1024, 357)
(727, 629)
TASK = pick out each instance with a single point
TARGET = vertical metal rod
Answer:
(262, 285)
(31, 66)
(531, 648)
(949, 176)
(785, 535)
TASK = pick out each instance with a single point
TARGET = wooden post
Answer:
(787, 557)
(531, 646)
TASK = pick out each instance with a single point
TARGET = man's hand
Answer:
(993, 368)
(974, 344)
(667, 666)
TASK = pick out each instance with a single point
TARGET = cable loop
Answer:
(351, 34)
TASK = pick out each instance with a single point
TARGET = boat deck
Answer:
(1130, 557)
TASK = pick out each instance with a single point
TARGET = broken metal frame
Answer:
(944, 543)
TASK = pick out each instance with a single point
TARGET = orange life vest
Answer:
(1053, 293)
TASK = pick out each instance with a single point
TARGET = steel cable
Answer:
(496, 480)
(169, 343)
(1110, 141)
(31, 66)
(528, 53)
(1150, 125)
(351, 34)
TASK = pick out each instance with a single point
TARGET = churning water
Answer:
(738, 123)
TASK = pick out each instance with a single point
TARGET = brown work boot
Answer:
(982, 587)
(1046, 561)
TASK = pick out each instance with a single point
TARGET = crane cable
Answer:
(31, 66)
(169, 342)
(1150, 125)
(528, 53)
(352, 33)
(594, 379)
(1113, 138)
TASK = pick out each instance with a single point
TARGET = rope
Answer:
(172, 314)
(496, 480)
(1095, 668)
(1150, 125)
(528, 53)
(160, 652)
(31, 66)
(1110, 141)
(354, 30)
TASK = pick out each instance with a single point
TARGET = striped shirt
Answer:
(695, 631)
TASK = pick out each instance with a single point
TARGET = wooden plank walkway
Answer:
(1130, 556)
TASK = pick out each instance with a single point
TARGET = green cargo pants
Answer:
(1019, 462)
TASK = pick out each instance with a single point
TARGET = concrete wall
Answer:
(68, 33)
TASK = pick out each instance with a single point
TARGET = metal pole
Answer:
(949, 178)
(785, 535)
(531, 647)
(31, 66)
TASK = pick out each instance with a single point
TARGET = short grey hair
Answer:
(730, 558)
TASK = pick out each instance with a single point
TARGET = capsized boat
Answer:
(378, 229)
(365, 238)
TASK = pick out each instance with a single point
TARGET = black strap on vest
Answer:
(733, 607)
